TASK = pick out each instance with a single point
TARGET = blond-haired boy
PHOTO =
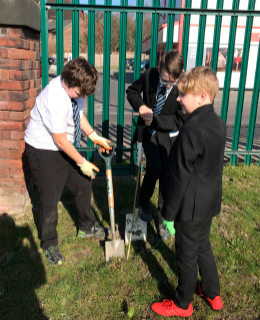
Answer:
(192, 192)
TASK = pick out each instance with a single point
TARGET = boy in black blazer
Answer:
(161, 112)
(192, 192)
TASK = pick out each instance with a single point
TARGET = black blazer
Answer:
(170, 118)
(192, 185)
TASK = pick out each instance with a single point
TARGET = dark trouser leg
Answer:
(165, 144)
(192, 248)
(81, 185)
(207, 265)
(50, 170)
(153, 169)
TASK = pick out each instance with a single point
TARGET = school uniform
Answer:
(160, 136)
(192, 197)
(50, 166)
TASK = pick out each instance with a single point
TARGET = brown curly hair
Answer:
(82, 74)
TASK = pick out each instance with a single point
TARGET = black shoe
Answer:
(164, 234)
(145, 214)
(95, 231)
(53, 256)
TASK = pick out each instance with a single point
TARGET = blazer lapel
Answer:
(170, 102)
(152, 90)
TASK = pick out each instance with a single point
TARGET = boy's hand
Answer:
(87, 168)
(148, 121)
(146, 113)
(169, 225)
(100, 141)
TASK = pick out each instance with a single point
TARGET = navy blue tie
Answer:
(76, 118)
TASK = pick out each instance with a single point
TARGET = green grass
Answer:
(86, 287)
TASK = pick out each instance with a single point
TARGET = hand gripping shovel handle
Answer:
(110, 193)
(137, 188)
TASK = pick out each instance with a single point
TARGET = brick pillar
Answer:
(20, 83)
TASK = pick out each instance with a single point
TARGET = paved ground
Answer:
(128, 110)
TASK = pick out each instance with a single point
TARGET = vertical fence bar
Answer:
(242, 82)
(121, 83)
(186, 32)
(137, 68)
(154, 35)
(201, 35)
(216, 38)
(91, 59)
(44, 43)
(75, 31)
(138, 41)
(106, 71)
(229, 62)
(59, 38)
(170, 26)
(253, 111)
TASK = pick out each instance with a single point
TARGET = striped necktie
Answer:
(76, 118)
(161, 97)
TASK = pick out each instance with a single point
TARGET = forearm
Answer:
(133, 94)
(85, 126)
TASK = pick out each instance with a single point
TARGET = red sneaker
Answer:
(168, 308)
(215, 304)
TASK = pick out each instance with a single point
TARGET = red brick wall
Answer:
(20, 83)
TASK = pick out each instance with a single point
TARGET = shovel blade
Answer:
(114, 249)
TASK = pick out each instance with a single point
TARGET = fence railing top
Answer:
(141, 9)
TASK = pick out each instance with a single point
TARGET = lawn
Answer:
(86, 287)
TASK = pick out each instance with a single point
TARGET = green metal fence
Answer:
(155, 10)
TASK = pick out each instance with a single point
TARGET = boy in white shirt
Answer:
(50, 139)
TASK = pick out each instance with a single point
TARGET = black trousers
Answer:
(53, 170)
(156, 151)
(193, 248)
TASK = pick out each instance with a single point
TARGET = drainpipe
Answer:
(181, 27)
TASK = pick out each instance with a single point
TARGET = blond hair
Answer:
(198, 80)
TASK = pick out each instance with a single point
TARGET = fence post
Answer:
(253, 111)
(201, 35)
(91, 59)
(242, 82)
(75, 31)
(121, 83)
(154, 35)
(44, 43)
(216, 40)
(106, 71)
(230, 55)
(137, 67)
(59, 38)
(186, 32)
(170, 26)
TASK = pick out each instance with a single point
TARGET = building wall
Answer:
(20, 83)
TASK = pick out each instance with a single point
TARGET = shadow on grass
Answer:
(157, 272)
(21, 272)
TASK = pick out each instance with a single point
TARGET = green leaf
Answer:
(131, 312)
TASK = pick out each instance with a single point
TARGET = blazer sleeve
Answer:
(133, 94)
(178, 171)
